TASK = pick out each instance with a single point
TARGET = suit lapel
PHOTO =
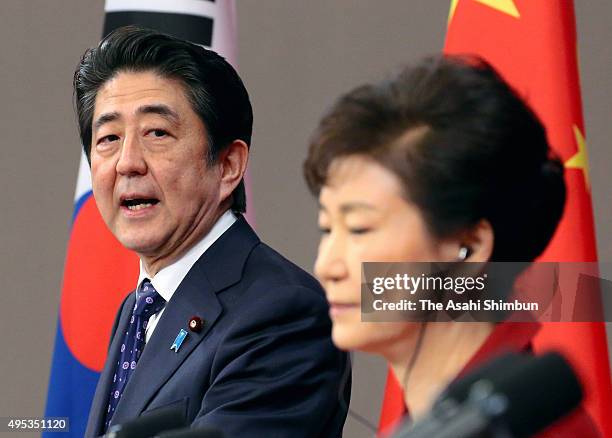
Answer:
(218, 268)
(100, 402)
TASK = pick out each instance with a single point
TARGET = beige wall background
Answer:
(295, 58)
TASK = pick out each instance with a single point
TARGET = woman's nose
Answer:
(331, 264)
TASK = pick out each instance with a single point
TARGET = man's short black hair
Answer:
(214, 89)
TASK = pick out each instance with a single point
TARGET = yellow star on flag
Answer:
(580, 159)
(505, 6)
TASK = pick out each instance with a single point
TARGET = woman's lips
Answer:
(337, 309)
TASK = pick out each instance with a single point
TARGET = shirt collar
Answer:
(167, 280)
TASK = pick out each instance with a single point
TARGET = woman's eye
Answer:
(359, 230)
(324, 230)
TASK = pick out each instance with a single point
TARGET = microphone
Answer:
(150, 424)
(168, 422)
(192, 433)
(459, 390)
(513, 396)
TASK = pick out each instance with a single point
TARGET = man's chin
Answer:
(142, 247)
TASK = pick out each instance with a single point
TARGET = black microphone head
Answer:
(538, 392)
(192, 433)
(151, 423)
(518, 395)
(459, 390)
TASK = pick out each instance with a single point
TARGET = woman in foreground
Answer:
(442, 163)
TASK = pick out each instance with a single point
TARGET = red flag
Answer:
(532, 43)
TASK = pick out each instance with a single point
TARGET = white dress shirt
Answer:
(168, 279)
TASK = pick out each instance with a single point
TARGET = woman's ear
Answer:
(474, 244)
(477, 242)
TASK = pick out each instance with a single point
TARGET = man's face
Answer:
(150, 177)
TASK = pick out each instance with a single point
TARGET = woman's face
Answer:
(364, 218)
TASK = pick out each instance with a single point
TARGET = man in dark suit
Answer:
(236, 336)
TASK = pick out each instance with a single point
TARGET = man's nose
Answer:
(131, 159)
(331, 264)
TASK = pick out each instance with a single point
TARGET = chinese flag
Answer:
(532, 43)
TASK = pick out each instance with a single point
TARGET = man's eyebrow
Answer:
(160, 109)
(163, 110)
(105, 118)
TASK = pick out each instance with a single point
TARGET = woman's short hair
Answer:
(463, 144)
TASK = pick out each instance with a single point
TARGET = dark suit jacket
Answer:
(262, 366)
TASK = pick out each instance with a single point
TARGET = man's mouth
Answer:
(135, 204)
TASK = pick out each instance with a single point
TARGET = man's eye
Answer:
(159, 133)
(359, 231)
(324, 230)
(108, 138)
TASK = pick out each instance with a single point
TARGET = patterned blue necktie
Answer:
(148, 302)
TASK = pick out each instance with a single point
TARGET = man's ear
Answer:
(232, 162)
